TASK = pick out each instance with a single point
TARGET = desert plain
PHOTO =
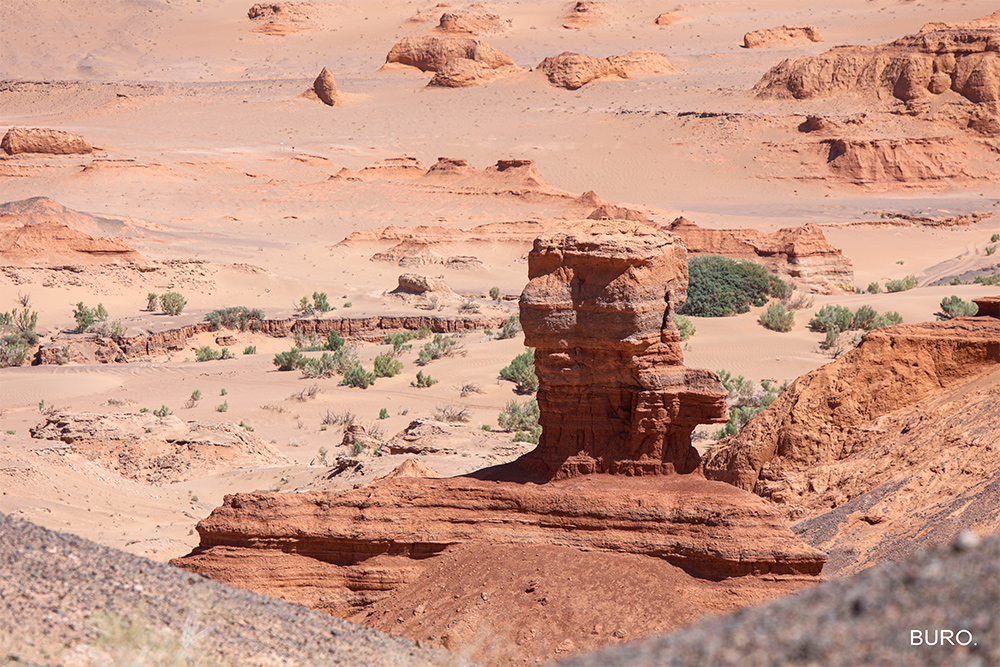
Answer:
(401, 159)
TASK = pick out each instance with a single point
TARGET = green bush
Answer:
(510, 328)
(163, 411)
(745, 400)
(287, 361)
(13, 351)
(777, 317)
(953, 306)
(152, 298)
(874, 288)
(320, 302)
(85, 317)
(250, 349)
(383, 413)
(902, 285)
(495, 294)
(520, 417)
(836, 319)
(206, 353)
(988, 280)
(719, 286)
(995, 238)
(387, 366)
(334, 341)
(356, 376)
(236, 317)
(521, 372)
(172, 303)
(222, 407)
(423, 381)
(990, 249)
(440, 346)
(18, 329)
(685, 327)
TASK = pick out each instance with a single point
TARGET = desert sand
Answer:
(185, 148)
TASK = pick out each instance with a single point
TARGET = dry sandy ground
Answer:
(203, 139)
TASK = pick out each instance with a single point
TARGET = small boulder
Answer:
(325, 87)
(411, 283)
(42, 140)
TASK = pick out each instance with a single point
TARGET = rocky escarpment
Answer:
(614, 398)
(891, 446)
(801, 255)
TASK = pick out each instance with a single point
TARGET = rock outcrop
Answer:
(279, 19)
(411, 283)
(19, 140)
(799, 254)
(463, 73)
(890, 447)
(615, 212)
(667, 18)
(584, 14)
(449, 170)
(959, 57)
(429, 53)
(154, 449)
(786, 34)
(473, 20)
(574, 70)
(614, 398)
(325, 88)
(391, 168)
(910, 162)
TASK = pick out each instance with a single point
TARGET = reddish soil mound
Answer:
(280, 18)
(667, 18)
(473, 20)
(585, 14)
(615, 212)
(393, 168)
(429, 53)
(942, 57)
(157, 450)
(574, 70)
(462, 73)
(449, 170)
(41, 232)
(894, 441)
(800, 254)
(20, 140)
(786, 34)
(614, 397)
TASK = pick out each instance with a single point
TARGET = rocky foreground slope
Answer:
(514, 563)
(868, 619)
(66, 600)
(895, 444)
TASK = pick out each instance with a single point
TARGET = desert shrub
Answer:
(470, 388)
(356, 376)
(323, 366)
(495, 294)
(522, 418)
(746, 400)
(348, 304)
(383, 413)
(451, 413)
(163, 411)
(840, 318)
(953, 306)
(886, 319)
(399, 341)
(799, 301)
(226, 354)
(441, 346)
(320, 302)
(865, 318)
(777, 317)
(874, 288)
(386, 366)
(222, 407)
(901, 285)
(990, 249)
(719, 286)
(206, 353)
(305, 306)
(510, 328)
(521, 372)
(195, 397)
(18, 328)
(684, 326)
(334, 341)
(85, 317)
(13, 351)
(250, 349)
(995, 238)
(172, 303)
(236, 317)
(469, 306)
(423, 381)
(287, 361)
(152, 298)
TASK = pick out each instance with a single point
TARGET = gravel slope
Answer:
(65, 600)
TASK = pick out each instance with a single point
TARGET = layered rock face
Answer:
(429, 53)
(799, 254)
(41, 140)
(614, 398)
(786, 34)
(574, 70)
(614, 395)
(961, 57)
(893, 445)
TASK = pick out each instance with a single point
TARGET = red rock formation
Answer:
(584, 14)
(429, 53)
(799, 254)
(574, 70)
(615, 212)
(919, 162)
(667, 18)
(895, 440)
(614, 398)
(449, 170)
(786, 34)
(989, 306)
(463, 73)
(325, 88)
(473, 20)
(40, 140)
(962, 57)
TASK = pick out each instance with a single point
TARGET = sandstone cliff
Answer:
(614, 398)
(801, 255)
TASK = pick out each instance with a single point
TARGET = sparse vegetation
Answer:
(152, 299)
(470, 388)
(288, 361)
(441, 346)
(85, 317)
(777, 317)
(799, 301)
(334, 341)
(250, 349)
(18, 336)
(988, 280)
(840, 318)
(719, 286)
(995, 238)
(451, 413)
(495, 294)
(685, 327)
(387, 366)
(207, 353)
(901, 285)
(195, 397)
(356, 376)
(383, 413)
(746, 400)
(510, 328)
(304, 395)
(236, 317)
(222, 407)
(172, 303)
(521, 372)
(953, 306)
(423, 381)
(874, 288)
(522, 418)
(469, 306)
(163, 411)
(990, 249)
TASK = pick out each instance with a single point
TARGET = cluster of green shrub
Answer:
(440, 346)
(207, 353)
(318, 304)
(521, 372)
(953, 306)
(522, 418)
(399, 341)
(236, 317)
(685, 327)
(423, 381)
(509, 329)
(171, 303)
(901, 285)
(777, 317)
(17, 336)
(719, 286)
(834, 320)
(746, 400)
(95, 320)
